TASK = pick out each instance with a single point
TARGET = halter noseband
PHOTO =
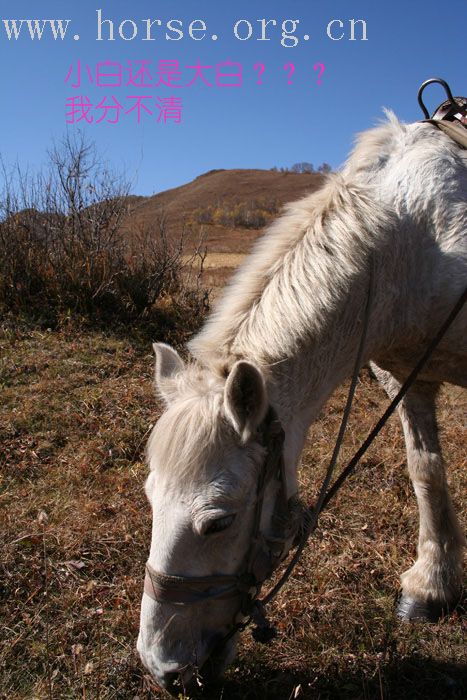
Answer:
(265, 552)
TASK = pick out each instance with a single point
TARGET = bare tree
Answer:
(302, 168)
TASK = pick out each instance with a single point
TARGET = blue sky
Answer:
(252, 126)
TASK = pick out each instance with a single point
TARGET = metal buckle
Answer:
(446, 111)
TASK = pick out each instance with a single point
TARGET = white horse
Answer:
(285, 334)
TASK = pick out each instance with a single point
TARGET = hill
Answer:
(231, 206)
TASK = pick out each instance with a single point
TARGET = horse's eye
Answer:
(219, 524)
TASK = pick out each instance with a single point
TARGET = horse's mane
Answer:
(298, 269)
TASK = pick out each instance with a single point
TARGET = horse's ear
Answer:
(245, 400)
(168, 364)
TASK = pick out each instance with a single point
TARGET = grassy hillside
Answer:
(221, 189)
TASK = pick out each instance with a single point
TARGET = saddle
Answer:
(451, 115)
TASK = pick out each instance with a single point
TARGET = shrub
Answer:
(254, 214)
(63, 248)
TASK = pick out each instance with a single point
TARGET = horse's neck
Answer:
(296, 306)
(300, 386)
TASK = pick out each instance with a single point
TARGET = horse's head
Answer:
(208, 455)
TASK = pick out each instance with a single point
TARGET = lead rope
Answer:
(396, 400)
(313, 513)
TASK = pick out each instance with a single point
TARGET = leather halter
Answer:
(265, 553)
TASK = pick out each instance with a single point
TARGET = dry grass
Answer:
(76, 410)
(223, 260)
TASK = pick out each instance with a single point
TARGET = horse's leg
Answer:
(433, 584)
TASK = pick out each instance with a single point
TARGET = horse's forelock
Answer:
(187, 433)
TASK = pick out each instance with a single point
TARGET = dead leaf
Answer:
(75, 564)
(42, 517)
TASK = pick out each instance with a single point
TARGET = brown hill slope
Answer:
(214, 197)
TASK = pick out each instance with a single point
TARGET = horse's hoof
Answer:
(420, 611)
